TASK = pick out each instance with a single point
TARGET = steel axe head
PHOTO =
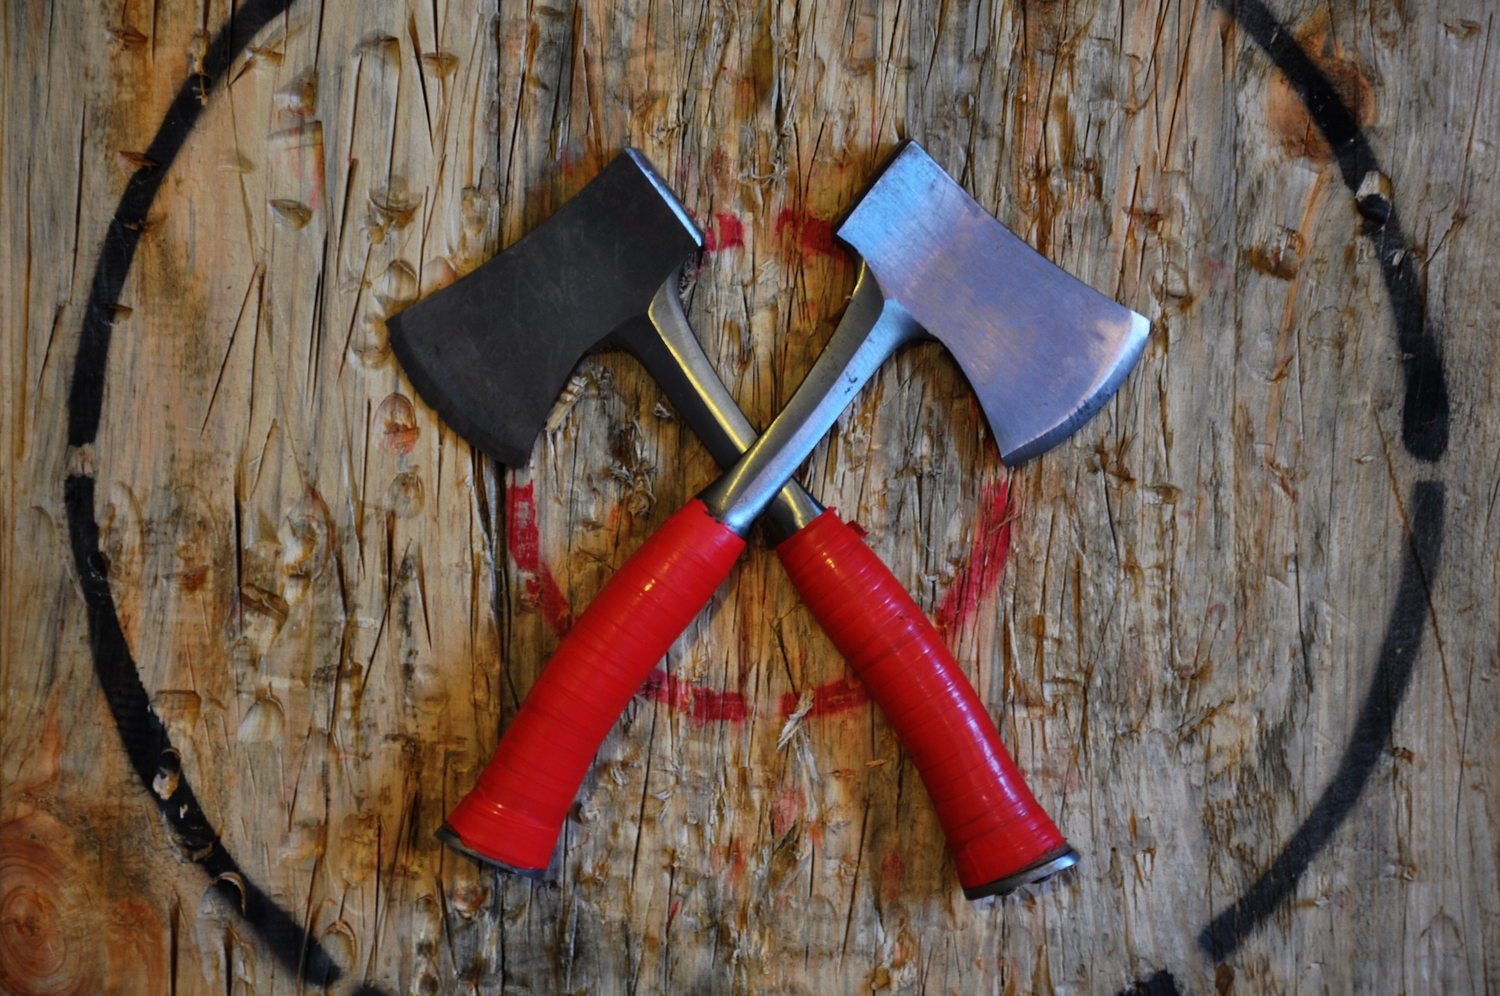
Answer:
(1043, 350)
(492, 352)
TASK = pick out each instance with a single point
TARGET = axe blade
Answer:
(1043, 350)
(492, 352)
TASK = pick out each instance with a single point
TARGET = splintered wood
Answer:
(1239, 632)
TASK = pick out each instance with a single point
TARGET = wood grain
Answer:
(335, 605)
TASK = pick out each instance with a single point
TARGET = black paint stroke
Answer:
(1424, 412)
(1424, 434)
(1425, 418)
(1161, 984)
(141, 731)
(151, 753)
(1370, 739)
(86, 399)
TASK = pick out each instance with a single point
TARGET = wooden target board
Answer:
(263, 617)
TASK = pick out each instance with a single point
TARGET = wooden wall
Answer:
(1240, 632)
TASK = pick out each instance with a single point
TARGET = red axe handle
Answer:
(515, 812)
(993, 823)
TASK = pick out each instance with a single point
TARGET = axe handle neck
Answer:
(872, 328)
(671, 353)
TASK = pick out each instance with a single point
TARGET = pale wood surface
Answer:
(335, 606)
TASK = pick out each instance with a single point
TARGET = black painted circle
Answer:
(1425, 423)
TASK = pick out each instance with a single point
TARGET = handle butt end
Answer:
(1035, 873)
(451, 837)
(515, 812)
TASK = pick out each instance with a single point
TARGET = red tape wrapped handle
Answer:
(994, 824)
(515, 813)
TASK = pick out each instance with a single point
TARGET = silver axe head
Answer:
(1043, 351)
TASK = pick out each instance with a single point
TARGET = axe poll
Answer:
(1000, 837)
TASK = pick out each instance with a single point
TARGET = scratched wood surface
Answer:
(335, 605)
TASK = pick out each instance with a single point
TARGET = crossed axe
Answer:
(1042, 351)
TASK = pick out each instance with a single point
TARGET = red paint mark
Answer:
(891, 870)
(787, 810)
(396, 420)
(730, 232)
(672, 913)
(829, 699)
(986, 560)
(815, 234)
(526, 551)
(703, 704)
(732, 862)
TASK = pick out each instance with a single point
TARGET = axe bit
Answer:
(1000, 836)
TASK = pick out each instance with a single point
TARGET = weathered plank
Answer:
(1242, 624)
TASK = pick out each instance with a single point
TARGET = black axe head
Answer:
(492, 352)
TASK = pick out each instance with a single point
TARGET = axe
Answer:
(591, 268)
